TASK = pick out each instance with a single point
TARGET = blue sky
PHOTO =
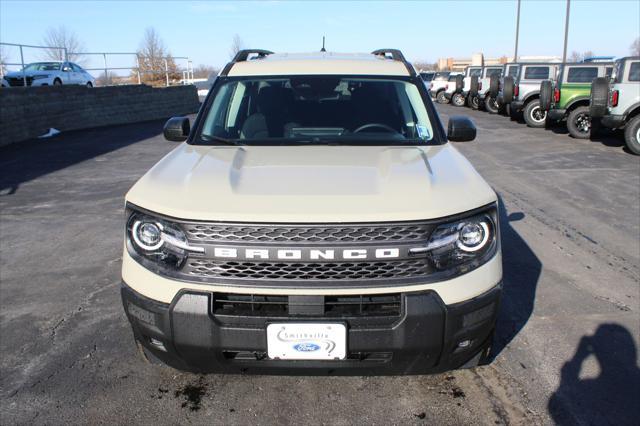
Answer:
(424, 30)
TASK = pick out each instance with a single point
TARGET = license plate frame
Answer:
(313, 341)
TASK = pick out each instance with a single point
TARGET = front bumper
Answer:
(423, 338)
(613, 121)
(556, 114)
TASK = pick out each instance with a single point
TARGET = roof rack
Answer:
(396, 55)
(242, 56)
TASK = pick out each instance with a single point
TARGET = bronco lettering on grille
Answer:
(303, 254)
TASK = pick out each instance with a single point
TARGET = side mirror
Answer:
(66, 69)
(461, 129)
(177, 129)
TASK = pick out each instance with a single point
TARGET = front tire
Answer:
(57, 82)
(579, 123)
(632, 135)
(491, 105)
(534, 116)
(474, 102)
(458, 99)
(441, 98)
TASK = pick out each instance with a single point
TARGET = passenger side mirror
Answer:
(461, 129)
(66, 69)
(177, 129)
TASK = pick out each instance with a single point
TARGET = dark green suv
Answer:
(568, 99)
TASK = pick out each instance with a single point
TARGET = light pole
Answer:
(566, 33)
(515, 54)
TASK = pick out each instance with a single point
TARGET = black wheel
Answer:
(494, 86)
(632, 135)
(473, 90)
(458, 99)
(507, 90)
(579, 123)
(546, 94)
(599, 97)
(57, 82)
(534, 116)
(491, 105)
(474, 102)
(459, 82)
(441, 98)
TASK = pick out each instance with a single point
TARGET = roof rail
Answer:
(242, 56)
(396, 55)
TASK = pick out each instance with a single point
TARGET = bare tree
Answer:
(236, 46)
(62, 37)
(204, 71)
(108, 79)
(426, 66)
(579, 57)
(635, 47)
(152, 55)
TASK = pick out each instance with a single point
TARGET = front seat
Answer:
(269, 119)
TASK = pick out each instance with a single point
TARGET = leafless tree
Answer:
(3, 59)
(578, 57)
(61, 37)
(152, 54)
(635, 47)
(108, 79)
(236, 45)
(204, 71)
(426, 66)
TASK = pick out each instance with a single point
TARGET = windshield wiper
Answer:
(213, 138)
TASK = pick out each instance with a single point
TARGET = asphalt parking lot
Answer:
(567, 344)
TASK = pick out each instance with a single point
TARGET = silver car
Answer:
(49, 74)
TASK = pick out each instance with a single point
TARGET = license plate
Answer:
(307, 341)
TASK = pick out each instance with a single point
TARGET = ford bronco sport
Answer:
(317, 220)
(569, 97)
(617, 105)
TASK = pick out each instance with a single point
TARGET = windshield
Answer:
(317, 109)
(43, 66)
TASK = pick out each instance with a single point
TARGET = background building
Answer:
(478, 59)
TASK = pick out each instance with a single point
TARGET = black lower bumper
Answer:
(517, 105)
(426, 336)
(555, 114)
(613, 121)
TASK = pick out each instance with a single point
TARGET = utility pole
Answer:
(515, 54)
(566, 33)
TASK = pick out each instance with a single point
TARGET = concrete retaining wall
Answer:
(26, 113)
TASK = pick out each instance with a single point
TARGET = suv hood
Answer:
(311, 184)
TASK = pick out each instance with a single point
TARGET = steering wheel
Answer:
(375, 125)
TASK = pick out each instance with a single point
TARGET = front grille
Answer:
(248, 305)
(17, 82)
(209, 268)
(307, 233)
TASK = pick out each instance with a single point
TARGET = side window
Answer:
(76, 68)
(513, 71)
(634, 71)
(475, 72)
(536, 73)
(495, 71)
(608, 71)
(582, 74)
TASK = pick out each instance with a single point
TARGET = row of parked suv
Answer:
(585, 96)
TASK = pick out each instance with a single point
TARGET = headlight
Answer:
(157, 240)
(40, 77)
(463, 245)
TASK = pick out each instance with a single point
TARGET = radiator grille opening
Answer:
(248, 305)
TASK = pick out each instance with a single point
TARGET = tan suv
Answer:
(316, 219)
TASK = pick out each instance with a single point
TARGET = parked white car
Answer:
(52, 73)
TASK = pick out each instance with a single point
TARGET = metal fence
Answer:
(186, 71)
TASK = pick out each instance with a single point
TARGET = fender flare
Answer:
(632, 111)
(531, 95)
(578, 101)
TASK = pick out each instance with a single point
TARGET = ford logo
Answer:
(306, 347)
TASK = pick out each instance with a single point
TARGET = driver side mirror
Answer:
(177, 129)
(66, 68)
(461, 129)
